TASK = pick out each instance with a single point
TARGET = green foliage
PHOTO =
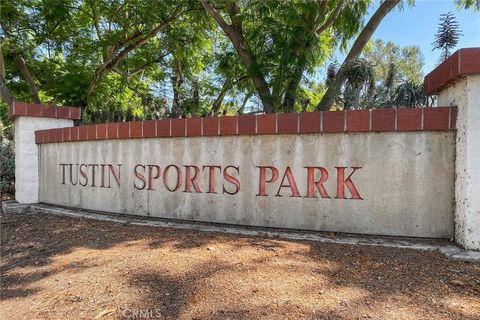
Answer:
(410, 94)
(146, 59)
(4, 122)
(393, 66)
(359, 76)
(468, 4)
(387, 75)
(408, 61)
(7, 169)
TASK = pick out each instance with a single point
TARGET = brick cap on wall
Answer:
(351, 121)
(460, 64)
(17, 109)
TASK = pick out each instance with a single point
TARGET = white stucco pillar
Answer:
(457, 82)
(27, 119)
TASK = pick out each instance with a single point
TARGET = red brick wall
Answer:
(381, 120)
(460, 64)
(40, 110)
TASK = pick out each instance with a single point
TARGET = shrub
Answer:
(7, 169)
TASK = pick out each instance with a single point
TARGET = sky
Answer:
(417, 25)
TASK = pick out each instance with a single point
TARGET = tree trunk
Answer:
(356, 103)
(219, 100)
(290, 97)
(5, 93)
(234, 33)
(177, 82)
(23, 68)
(355, 51)
(244, 103)
(2, 64)
(254, 72)
(292, 87)
(196, 97)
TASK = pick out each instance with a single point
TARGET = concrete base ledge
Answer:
(450, 250)
(12, 206)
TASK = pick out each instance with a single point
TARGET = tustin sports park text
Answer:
(189, 178)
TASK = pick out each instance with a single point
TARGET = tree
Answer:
(5, 93)
(386, 75)
(278, 44)
(468, 4)
(100, 54)
(447, 35)
(235, 32)
(356, 50)
(140, 59)
(359, 75)
(410, 94)
(408, 61)
(393, 66)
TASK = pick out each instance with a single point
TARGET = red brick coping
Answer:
(397, 119)
(460, 64)
(44, 111)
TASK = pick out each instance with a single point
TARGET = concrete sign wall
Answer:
(399, 171)
(396, 183)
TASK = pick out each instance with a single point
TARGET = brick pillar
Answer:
(457, 82)
(27, 119)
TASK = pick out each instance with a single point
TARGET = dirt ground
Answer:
(64, 268)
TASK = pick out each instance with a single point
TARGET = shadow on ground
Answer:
(189, 274)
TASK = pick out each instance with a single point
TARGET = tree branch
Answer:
(217, 17)
(23, 68)
(143, 67)
(2, 64)
(234, 33)
(355, 51)
(96, 23)
(331, 19)
(5, 93)
(324, 7)
(116, 56)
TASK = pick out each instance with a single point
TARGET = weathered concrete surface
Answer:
(465, 93)
(12, 206)
(26, 155)
(406, 180)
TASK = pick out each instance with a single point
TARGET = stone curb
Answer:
(451, 251)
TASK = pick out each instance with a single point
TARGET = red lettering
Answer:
(263, 180)
(151, 176)
(232, 180)
(291, 184)
(211, 177)
(311, 183)
(83, 174)
(193, 180)
(140, 177)
(179, 178)
(342, 182)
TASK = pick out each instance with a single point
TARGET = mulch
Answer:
(55, 267)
